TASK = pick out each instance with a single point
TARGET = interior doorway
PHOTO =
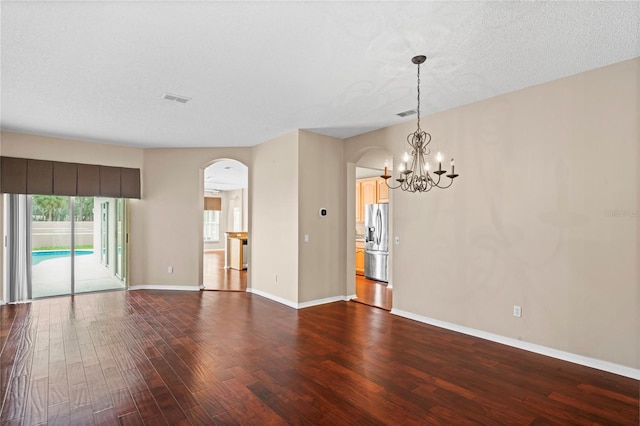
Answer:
(373, 231)
(225, 226)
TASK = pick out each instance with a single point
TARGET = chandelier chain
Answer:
(418, 110)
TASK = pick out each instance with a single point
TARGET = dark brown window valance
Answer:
(65, 178)
(39, 177)
(110, 181)
(129, 183)
(26, 176)
(88, 183)
(13, 172)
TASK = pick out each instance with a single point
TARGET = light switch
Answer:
(397, 240)
(306, 238)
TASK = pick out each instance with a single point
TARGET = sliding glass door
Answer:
(88, 224)
(51, 231)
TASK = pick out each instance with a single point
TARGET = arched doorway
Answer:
(373, 245)
(225, 226)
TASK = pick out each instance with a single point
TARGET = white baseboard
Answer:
(610, 367)
(323, 301)
(166, 287)
(2, 302)
(270, 296)
(19, 302)
(302, 305)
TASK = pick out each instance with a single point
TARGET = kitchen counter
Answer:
(236, 252)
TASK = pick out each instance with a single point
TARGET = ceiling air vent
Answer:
(406, 113)
(177, 98)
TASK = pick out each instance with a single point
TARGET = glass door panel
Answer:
(97, 261)
(104, 233)
(120, 233)
(51, 246)
(95, 254)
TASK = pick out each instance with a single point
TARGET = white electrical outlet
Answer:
(517, 311)
(170, 269)
(397, 240)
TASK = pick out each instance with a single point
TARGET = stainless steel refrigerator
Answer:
(376, 241)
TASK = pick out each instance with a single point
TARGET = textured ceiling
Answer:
(255, 70)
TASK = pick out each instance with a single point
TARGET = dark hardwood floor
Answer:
(215, 277)
(373, 293)
(154, 357)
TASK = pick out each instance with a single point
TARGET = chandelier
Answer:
(414, 170)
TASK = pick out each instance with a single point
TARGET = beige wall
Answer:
(166, 225)
(376, 159)
(322, 260)
(294, 176)
(245, 209)
(73, 151)
(274, 217)
(529, 220)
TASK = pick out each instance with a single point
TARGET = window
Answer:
(211, 226)
(237, 219)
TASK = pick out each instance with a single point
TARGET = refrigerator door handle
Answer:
(379, 223)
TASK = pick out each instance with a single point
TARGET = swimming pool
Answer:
(38, 256)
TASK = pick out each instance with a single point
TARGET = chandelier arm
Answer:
(445, 187)
(434, 182)
(386, 181)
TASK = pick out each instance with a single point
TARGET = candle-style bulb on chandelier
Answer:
(414, 173)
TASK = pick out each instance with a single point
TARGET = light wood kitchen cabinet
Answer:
(369, 191)
(359, 258)
(383, 191)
